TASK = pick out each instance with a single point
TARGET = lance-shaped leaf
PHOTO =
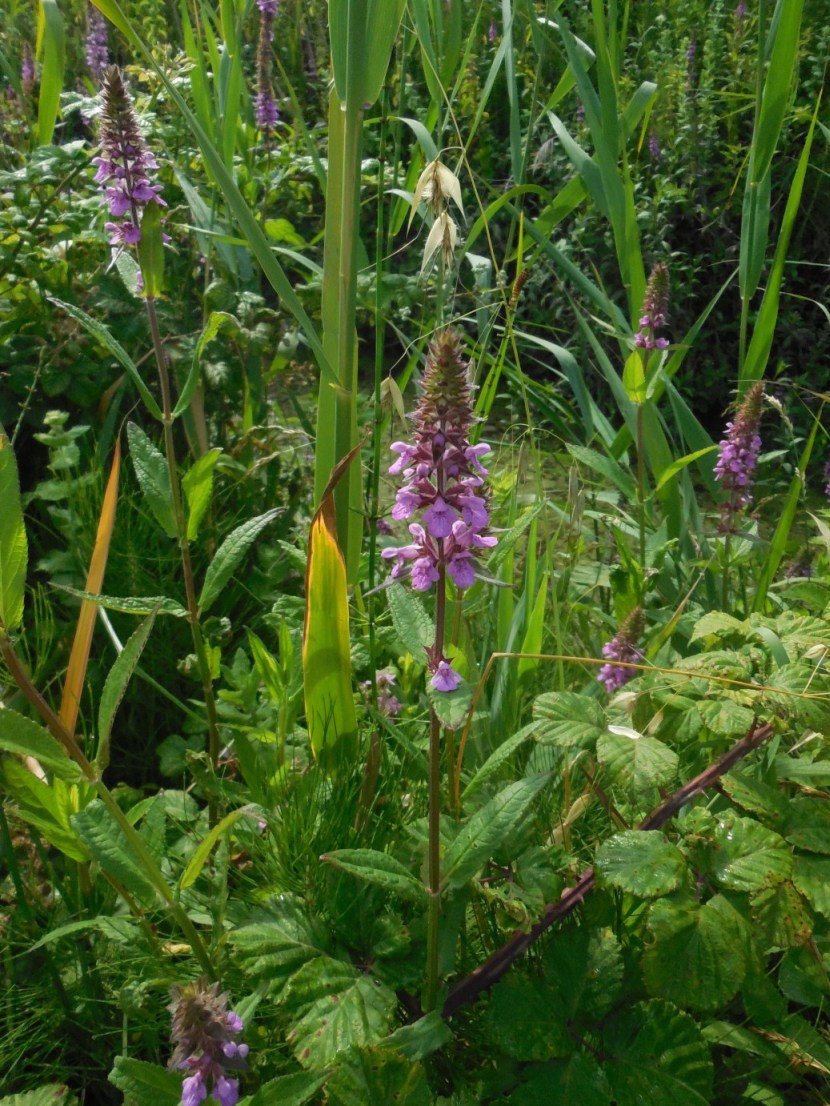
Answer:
(153, 476)
(229, 555)
(73, 685)
(327, 664)
(116, 684)
(198, 488)
(21, 735)
(50, 48)
(13, 549)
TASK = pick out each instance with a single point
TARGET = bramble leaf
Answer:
(641, 862)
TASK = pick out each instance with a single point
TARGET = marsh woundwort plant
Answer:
(205, 1033)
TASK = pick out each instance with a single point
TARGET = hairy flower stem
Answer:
(139, 850)
(641, 486)
(184, 547)
(434, 865)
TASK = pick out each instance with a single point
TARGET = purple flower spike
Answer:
(96, 44)
(622, 648)
(738, 456)
(827, 479)
(204, 1032)
(125, 163)
(266, 112)
(27, 69)
(655, 306)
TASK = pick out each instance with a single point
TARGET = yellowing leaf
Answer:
(13, 548)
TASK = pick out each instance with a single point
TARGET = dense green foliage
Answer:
(557, 833)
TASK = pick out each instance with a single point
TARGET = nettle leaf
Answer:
(811, 875)
(658, 1057)
(109, 847)
(781, 917)
(377, 1075)
(275, 946)
(724, 717)
(635, 760)
(756, 797)
(697, 956)
(584, 968)
(488, 828)
(379, 869)
(567, 718)
(413, 625)
(524, 1020)
(641, 862)
(146, 1084)
(577, 1081)
(808, 825)
(341, 1008)
(748, 856)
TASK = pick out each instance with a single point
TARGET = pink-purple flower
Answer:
(738, 456)
(96, 44)
(266, 112)
(125, 165)
(620, 650)
(205, 1034)
(444, 480)
(655, 306)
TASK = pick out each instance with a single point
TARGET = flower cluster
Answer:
(125, 163)
(265, 106)
(738, 456)
(205, 1034)
(96, 44)
(27, 70)
(444, 481)
(622, 648)
(827, 479)
(655, 305)
(388, 703)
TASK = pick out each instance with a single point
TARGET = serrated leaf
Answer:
(808, 825)
(47, 808)
(197, 486)
(120, 930)
(153, 477)
(584, 968)
(378, 1075)
(54, 1094)
(811, 875)
(229, 555)
(206, 845)
(697, 954)
(718, 624)
(451, 707)
(379, 869)
(524, 1023)
(130, 604)
(21, 735)
(341, 1009)
(499, 758)
(487, 829)
(277, 945)
(757, 797)
(421, 1038)
(781, 917)
(641, 862)
(577, 1081)
(657, 1056)
(725, 717)
(567, 718)
(413, 625)
(146, 1084)
(13, 547)
(109, 847)
(116, 683)
(641, 763)
(748, 856)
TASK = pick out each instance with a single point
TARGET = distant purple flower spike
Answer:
(622, 648)
(96, 45)
(738, 456)
(492, 31)
(827, 479)
(655, 306)
(27, 69)
(266, 112)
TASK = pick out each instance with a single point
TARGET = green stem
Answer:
(641, 487)
(184, 547)
(434, 858)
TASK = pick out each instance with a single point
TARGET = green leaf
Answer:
(607, 467)
(421, 1038)
(378, 1075)
(110, 848)
(641, 862)
(488, 828)
(808, 825)
(584, 968)
(748, 856)
(130, 604)
(811, 875)
(153, 477)
(13, 547)
(379, 869)
(54, 1094)
(717, 624)
(116, 684)
(780, 917)
(122, 931)
(21, 735)
(102, 335)
(499, 758)
(697, 953)
(47, 808)
(451, 707)
(50, 46)
(198, 489)
(151, 251)
(341, 1008)
(279, 943)
(217, 320)
(413, 625)
(524, 1023)
(229, 555)
(146, 1084)
(639, 762)
(756, 797)
(567, 718)
(288, 1090)
(658, 1056)
(725, 717)
(206, 845)
(577, 1081)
